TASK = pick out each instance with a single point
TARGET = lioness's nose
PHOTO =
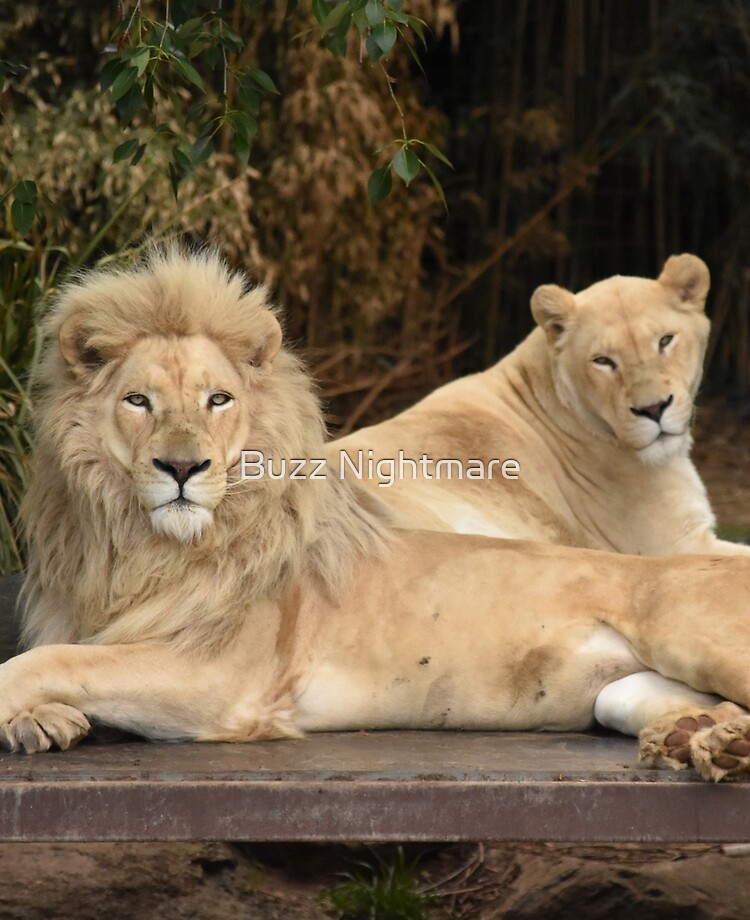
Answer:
(181, 470)
(655, 411)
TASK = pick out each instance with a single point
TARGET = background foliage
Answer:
(587, 137)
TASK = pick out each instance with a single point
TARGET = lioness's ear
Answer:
(76, 348)
(688, 277)
(267, 340)
(553, 308)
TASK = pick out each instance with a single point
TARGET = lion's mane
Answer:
(98, 572)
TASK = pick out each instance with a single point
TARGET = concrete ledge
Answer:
(364, 786)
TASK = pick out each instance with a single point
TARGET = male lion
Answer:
(594, 405)
(170, 597)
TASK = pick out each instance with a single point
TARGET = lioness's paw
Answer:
(667, 742)
(722, 752)
(50, 725)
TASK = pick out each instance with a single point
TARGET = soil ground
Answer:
(499, 882)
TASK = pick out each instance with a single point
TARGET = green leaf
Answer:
(241, 148)
(243, 124)
(320, 10)
(202, 150)
(148, 93)
(385, 35)
(263, 80)
(188, 71)
(374, 51)
(337, 38)
(212, 56)
(123, 82)
(406, 164)
(380, 184)
(436, 152)
(248, 94)
(110, 70)
(129, 104)
(190, 29)
(138, 155)
(418, 26)
(140, 58)
(182, 158)
(23, 214)
(125, 150)
(375, 12)
(25, 191)
(436, 184)
(335, 16)
(175, 177)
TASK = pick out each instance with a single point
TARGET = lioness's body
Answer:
(169, 596)
(595, 471)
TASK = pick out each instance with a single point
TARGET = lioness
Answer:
(170, 597)
(594, 405)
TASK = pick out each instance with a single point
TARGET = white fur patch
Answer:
(631, 703)
(607, 643)
(186, 522)
(332, 701)
(462, 518)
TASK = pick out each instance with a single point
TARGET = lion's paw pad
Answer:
(46, 726)
(667, 742)
(723, 751)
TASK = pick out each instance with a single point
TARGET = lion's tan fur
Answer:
(567, 404)
(98, 572)
(169, 598)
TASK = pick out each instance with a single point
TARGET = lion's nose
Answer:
(654, 411)
(181, 470)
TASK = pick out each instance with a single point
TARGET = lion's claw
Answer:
(46, 726)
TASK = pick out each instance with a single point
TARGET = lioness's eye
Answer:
(603, 361)
(138, 400)
(664, 341)
(218, 399)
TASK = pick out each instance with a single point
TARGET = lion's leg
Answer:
(630, 704)
(48, 694)
(678, 727)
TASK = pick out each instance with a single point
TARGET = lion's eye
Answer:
(664, 341)
(604, 361)
(139, 401)
(216, 400)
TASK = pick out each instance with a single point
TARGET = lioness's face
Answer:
(175, 422)
(629, 362)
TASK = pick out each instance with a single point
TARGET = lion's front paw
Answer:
(722, 752)
(46, 726)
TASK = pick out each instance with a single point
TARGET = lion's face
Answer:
(175, 420)
(627, 355)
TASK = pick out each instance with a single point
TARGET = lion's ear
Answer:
(688, 277)
(76, 347)
(553, 309)
(266, 341)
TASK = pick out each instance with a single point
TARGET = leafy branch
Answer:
(181, 81)
(158, 62)
(379, 23)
